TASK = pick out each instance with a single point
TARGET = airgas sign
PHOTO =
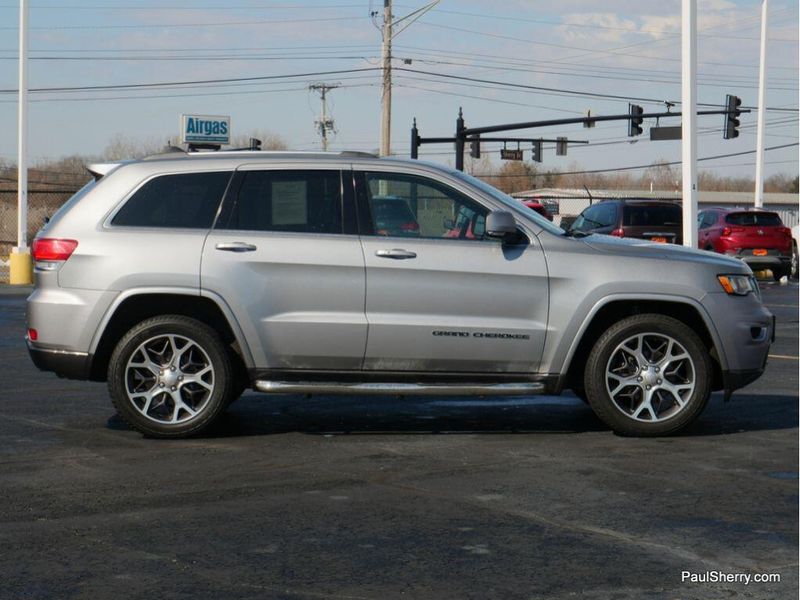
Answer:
(205, 129)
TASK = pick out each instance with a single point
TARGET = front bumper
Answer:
(70, 365)
(746, 329)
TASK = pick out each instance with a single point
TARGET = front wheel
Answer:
(648, 375)
(171, 376)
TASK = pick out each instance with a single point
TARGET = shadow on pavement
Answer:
(255, 414)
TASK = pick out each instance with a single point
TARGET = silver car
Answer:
(184, 279)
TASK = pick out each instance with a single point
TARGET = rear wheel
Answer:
(171, 376)
(779, 272)
(648, 375)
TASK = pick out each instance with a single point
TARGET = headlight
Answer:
(739, 285)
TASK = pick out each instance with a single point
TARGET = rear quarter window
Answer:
(754, 218)
(184, 200)
(634, 216)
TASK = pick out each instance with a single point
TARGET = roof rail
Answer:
(175, 150)
(358, 153)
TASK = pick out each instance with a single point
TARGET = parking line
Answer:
(783, 305)
(783, 357)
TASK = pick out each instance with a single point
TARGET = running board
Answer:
(403, 389)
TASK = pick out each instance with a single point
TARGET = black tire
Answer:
(595, 380)
(779, 272)
(207, 345)
(580, 393)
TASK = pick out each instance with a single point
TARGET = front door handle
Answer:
(236, 247)
(396, 253)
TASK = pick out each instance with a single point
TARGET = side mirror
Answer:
(501, 224)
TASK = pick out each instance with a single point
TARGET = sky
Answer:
(502, 62)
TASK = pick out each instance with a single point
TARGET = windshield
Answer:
(760, 219)
(512, 203)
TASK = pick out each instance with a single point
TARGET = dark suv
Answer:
(654, 220)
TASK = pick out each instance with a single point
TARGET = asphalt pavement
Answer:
(380, 497)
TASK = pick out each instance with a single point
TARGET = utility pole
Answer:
(21, 268)
(388, 33)
(386, 94)
(762, 94)
(689, 120)
(324, 125)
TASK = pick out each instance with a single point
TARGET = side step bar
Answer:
(404, 389)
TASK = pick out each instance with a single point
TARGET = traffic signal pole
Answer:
(689, 121)
(465, 134)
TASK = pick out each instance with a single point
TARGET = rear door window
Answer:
(288, 201)
(184, 200)
(759, 219)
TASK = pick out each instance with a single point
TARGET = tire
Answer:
(617, 385)
(779, 272)
(580, 393)
(179, 402)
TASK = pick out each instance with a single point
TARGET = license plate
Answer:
(659, 240)
(759, 252)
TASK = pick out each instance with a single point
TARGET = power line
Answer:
(563, 91)
(636, 167)
(517, 19)
(123, 86)
(189, 25)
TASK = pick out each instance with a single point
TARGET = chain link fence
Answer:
(41, 205)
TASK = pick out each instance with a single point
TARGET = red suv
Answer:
(538, 207)
(757, 237)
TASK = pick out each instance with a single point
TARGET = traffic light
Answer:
(536, 155)
(475, 148)
(561, 146)
(732, 104)
(636, 120)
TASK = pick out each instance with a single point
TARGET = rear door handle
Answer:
(236, 247)
(396, 253)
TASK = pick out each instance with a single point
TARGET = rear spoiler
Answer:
(98, 170)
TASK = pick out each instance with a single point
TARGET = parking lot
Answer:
(331, 497)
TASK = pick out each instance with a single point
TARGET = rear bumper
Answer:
(766, 262)
(70, 365)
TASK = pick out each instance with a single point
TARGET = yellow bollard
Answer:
(20, 267)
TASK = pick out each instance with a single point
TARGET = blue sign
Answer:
(205, 129)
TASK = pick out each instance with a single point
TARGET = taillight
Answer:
(726, 231)
(51, 249)
(33, 335)
(411, 226)
(785, 231)
(619, 232)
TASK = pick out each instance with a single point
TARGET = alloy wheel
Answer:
(169, 379)
(650, 377)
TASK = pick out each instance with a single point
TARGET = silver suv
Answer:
(183, 279)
